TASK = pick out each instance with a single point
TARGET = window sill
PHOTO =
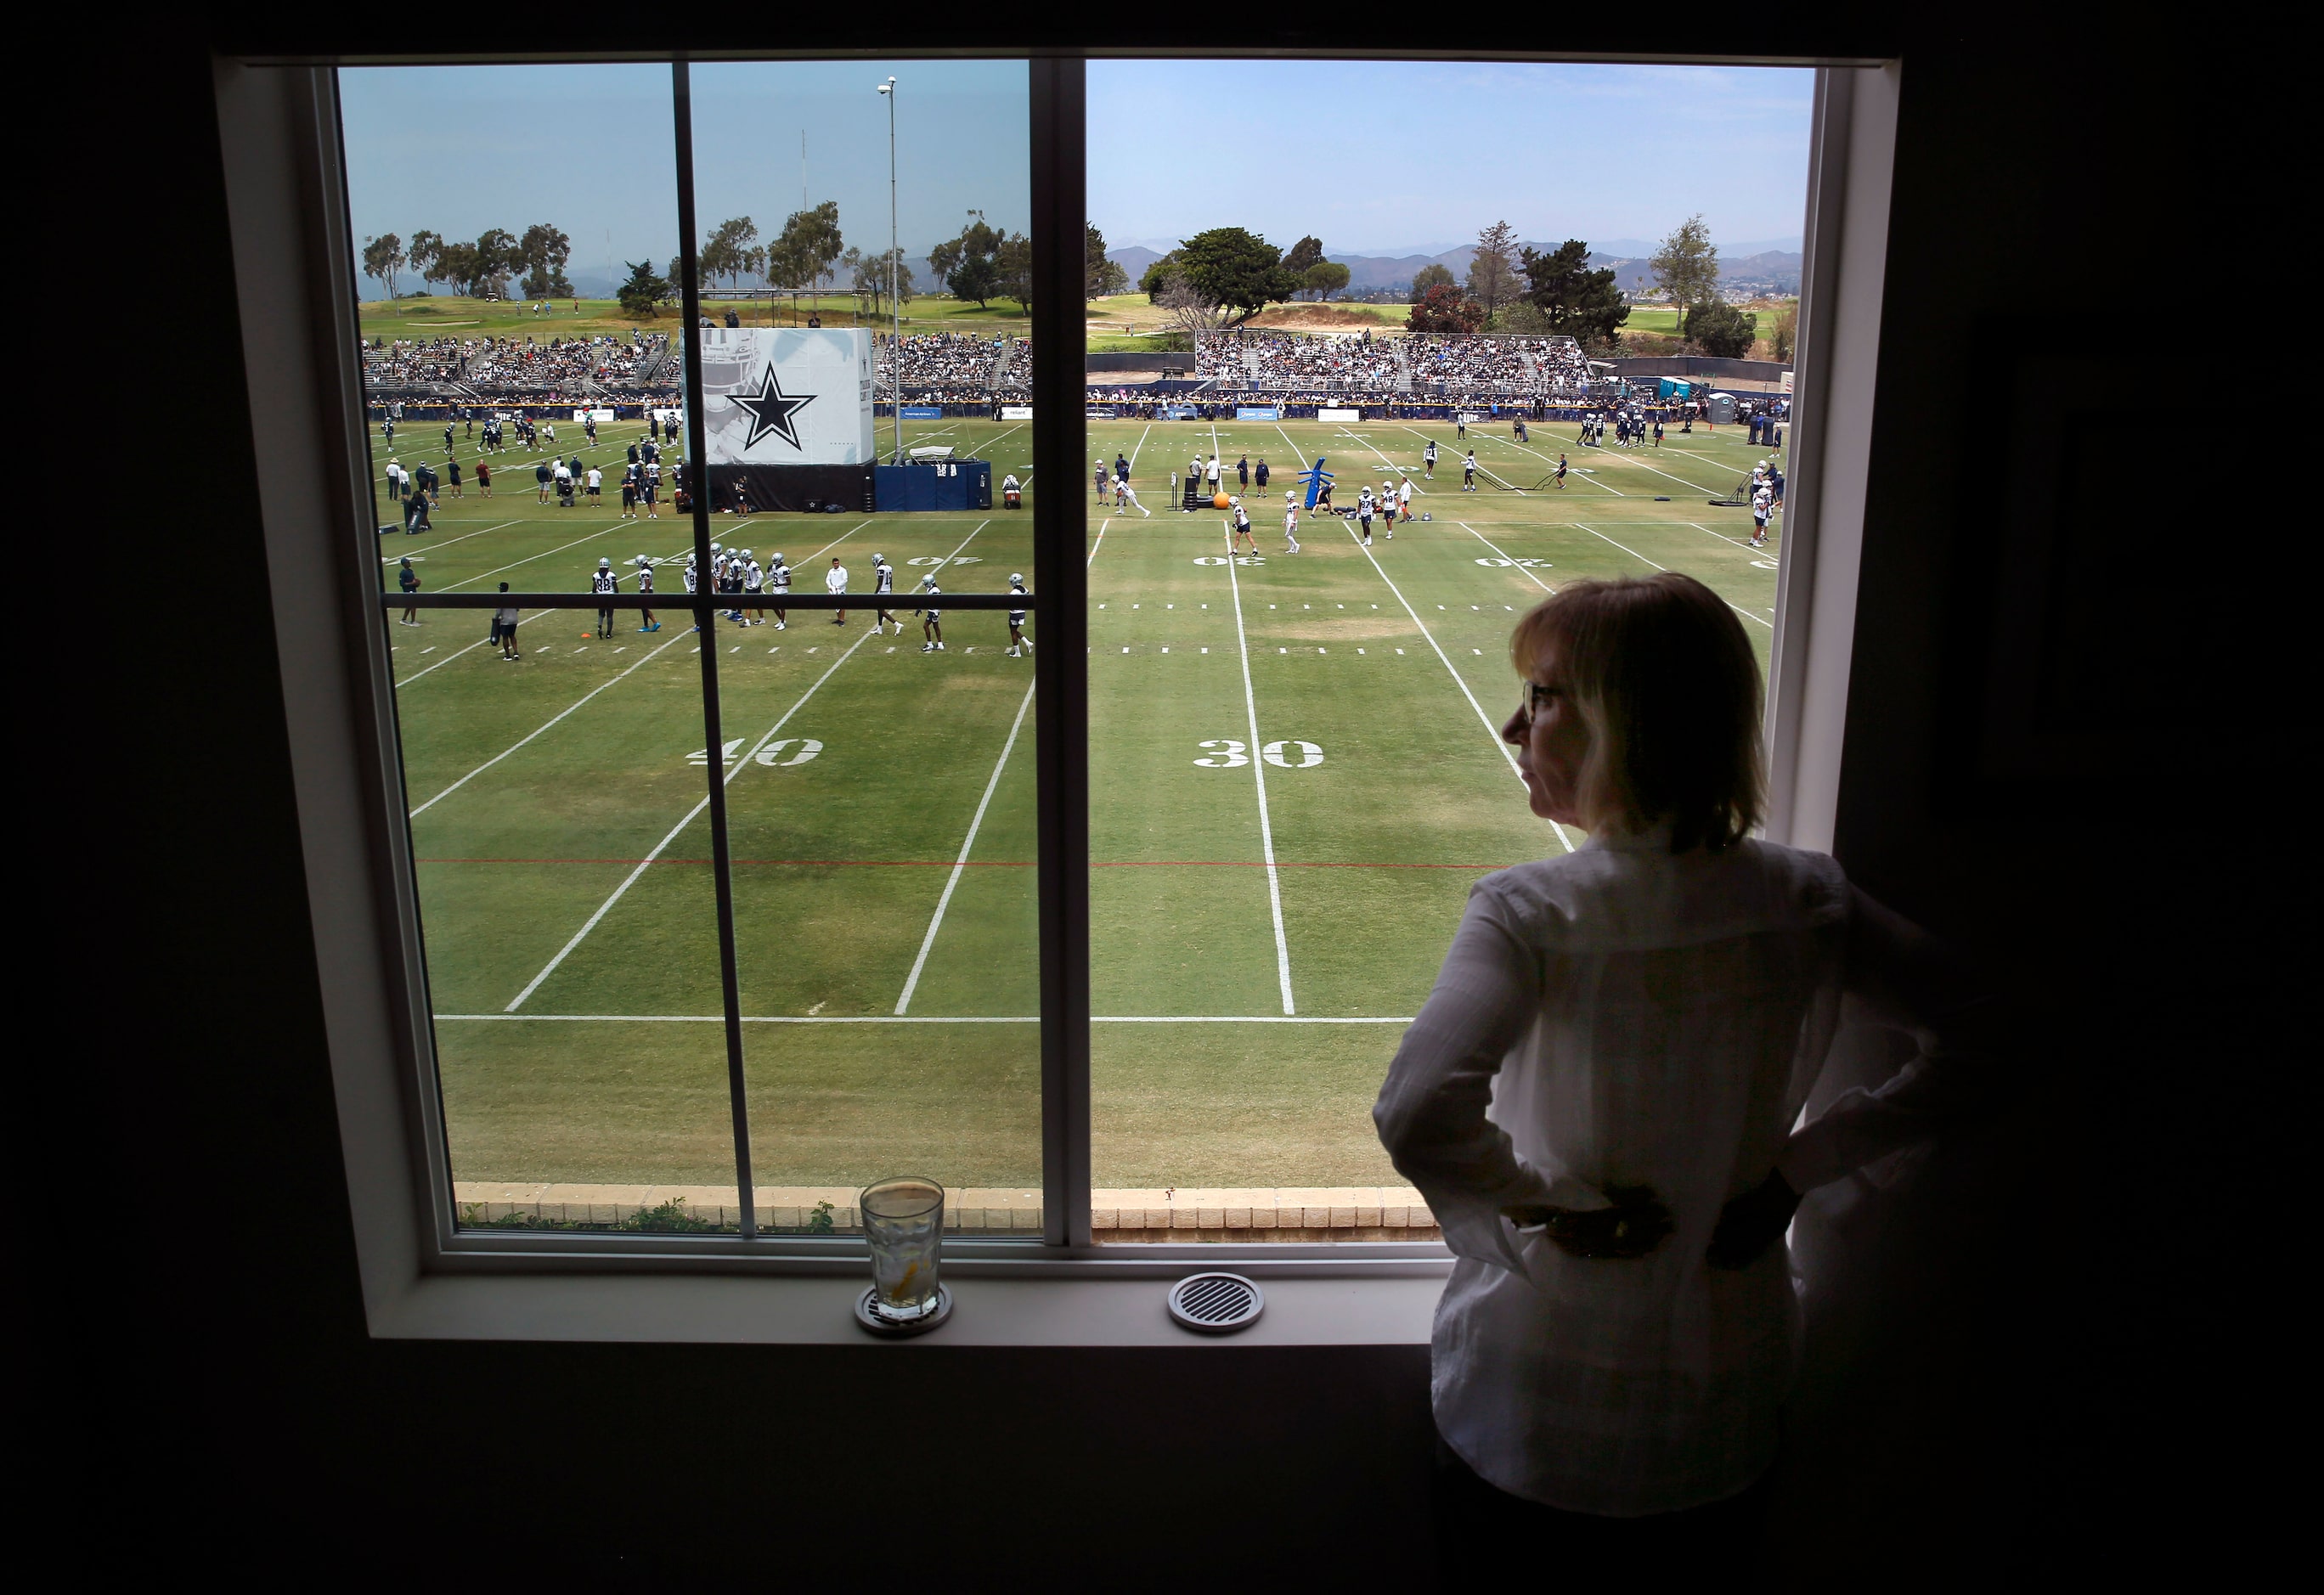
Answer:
(732, 1310)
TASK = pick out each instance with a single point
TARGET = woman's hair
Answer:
(1666, 683)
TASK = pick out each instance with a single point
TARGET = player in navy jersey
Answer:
(1019, 645)
(409, 580)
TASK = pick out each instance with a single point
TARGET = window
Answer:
(694, 943)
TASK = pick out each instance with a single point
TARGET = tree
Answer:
(975, 238)
(1785, 333)
(807, 245)
(868, 275)
(498, 254)
(545, 249)
(1100, 275)
(1324, 278)
(1157, 277)
(383, 258)
(1013, 262)
(976, 277)
(643, 290)
(1583, 304)
(1522, 316)
(730, 251)
(1687, 265)
(1191, 310)
(1720, 329)
(1444, 309)
(1492, 270)
(1236, 267)
(421, 252)
(1306, 253)
(1429, 276)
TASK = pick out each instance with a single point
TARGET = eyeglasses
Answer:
(1530, 698)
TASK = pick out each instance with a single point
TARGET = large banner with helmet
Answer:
(787, 396)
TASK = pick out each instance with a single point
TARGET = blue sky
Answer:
(1372, 158)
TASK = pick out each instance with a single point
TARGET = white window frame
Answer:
(421, 1276)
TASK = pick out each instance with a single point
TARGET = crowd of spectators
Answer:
(1271, 361)
(939, 368)
(562, 365)
(417, 360)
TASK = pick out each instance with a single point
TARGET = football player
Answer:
(1019, 645)
(883, 583)
(601, 583)
(931, 619)
(645, 590)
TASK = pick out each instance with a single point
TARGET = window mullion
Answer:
(705, 619)
(1061, 666)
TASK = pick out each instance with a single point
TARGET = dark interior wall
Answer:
(1984, 1415)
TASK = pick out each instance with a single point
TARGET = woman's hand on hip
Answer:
(1632, 1226)
(1752, 1222)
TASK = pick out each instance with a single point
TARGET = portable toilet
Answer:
(1722, 410)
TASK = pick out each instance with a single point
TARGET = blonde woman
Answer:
(1599, 1100)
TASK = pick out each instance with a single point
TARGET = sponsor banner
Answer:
(593, 415)
(1470, 418)
(786, 395)
(1015, 412)
(923, 412)
(1787, 381)
(1098, 412)
(1341, 416)
(1258, 412)
(1178, 412)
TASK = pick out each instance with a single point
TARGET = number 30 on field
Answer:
(1225, 754)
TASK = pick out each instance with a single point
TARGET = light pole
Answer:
(895, 306)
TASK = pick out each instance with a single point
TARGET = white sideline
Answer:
(647, 862)
(512, 747)
(1259, 766)
(1634, 553)
(960, 865)
(1492, 730)
(727, 778)
(479, 642)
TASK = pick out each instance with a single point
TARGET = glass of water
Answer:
(903, 1220)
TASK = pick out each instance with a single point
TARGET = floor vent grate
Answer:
(1216, 1303)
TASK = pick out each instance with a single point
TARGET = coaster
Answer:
(881, 1326)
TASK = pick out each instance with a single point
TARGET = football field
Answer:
(1296, 775)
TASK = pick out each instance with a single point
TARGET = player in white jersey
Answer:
(835, 582)
(1126, 495)
(753, 580)
(1428, 461)
(1238, 533)
(1364, 513)
(718, 566)
(645, 590)
(1468, 472)
(883, 583)
(1019, 645)
(1762, 502)
(1291, 522)
(778, 584)
(603, 581)
(1388, 509)
(931, 619)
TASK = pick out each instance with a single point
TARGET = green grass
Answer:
(841, 861)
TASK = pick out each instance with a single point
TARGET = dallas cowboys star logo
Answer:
(771, 411)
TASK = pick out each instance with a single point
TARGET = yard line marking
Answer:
(918, 1018)
(479, 642)
(512, 747)
(1492, 730)
(1545, 459)
(1481, 537)
(1258, 772)
(528, 560)
(911, 982)
(1722, 536)
(727, 778)
(1634, 553)
(632, 877)
(464, 536)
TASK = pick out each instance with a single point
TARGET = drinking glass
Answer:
(903, 1220)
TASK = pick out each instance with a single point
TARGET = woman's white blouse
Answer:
(1623, 1016)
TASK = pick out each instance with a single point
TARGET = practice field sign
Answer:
(1258, 412)
(787, 395)
(1340, 416)
(602, 417)
(924, 412)
(1015, 412)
